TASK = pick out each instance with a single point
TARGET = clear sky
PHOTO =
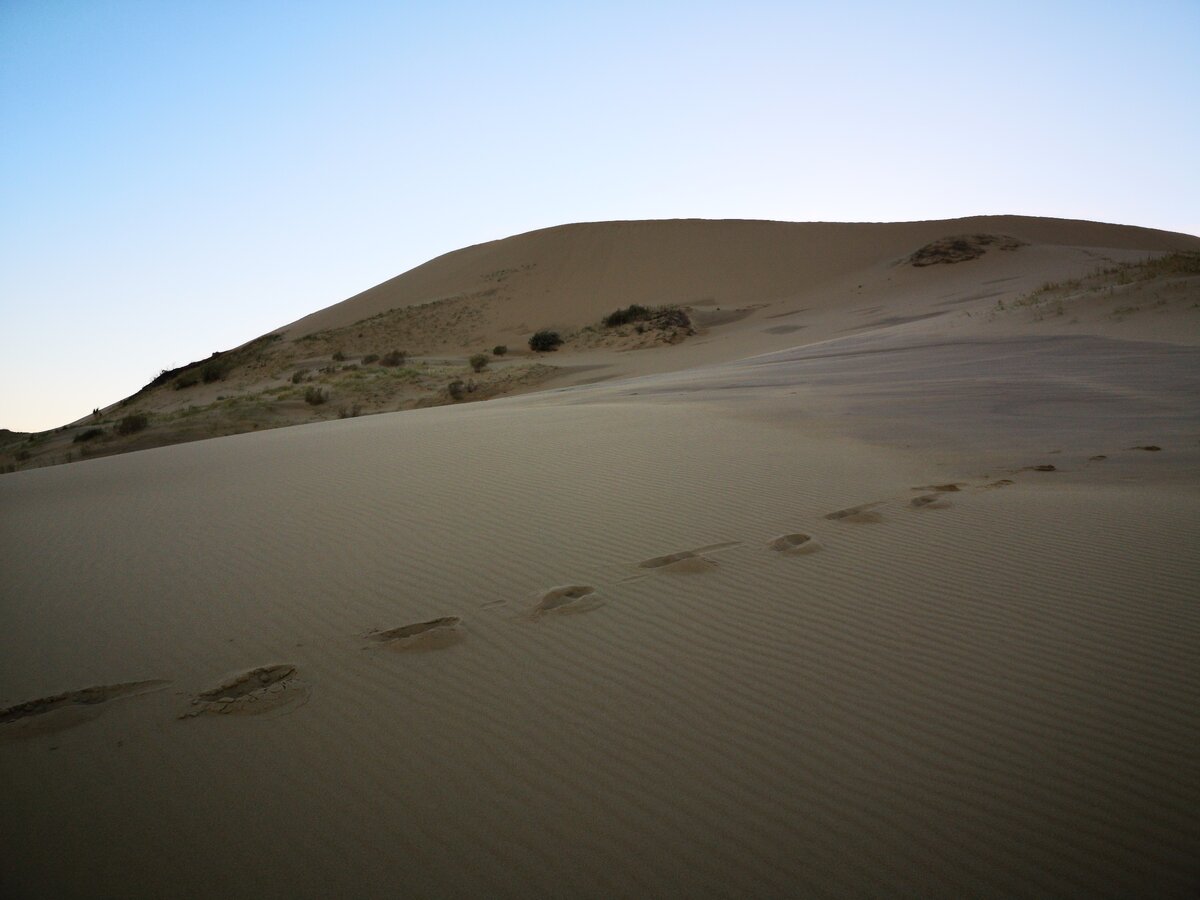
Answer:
(177, 177)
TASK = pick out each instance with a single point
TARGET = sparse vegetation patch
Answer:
(545, 341)
(133, 423)
(962, 248)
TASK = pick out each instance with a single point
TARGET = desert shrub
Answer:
(349, 412)
(96, 412)
(88, 435)
(478, 362)
(544, 341)
(370, 358)
(132, 423)
(298, 376)
(395, 358)
(632, 313)
(499, 350)
(338, 356)
(314, 396)
(212, 371)
(22, 455)
(187, 380)
(456, 389)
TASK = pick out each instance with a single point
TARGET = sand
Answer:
(882, 606)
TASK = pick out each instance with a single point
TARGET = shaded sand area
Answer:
(908, 612)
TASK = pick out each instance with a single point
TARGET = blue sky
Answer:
(178, 177)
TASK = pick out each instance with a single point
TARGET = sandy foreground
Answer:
(897, 610)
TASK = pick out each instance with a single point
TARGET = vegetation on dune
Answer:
(633, 313)
(1094, 290)
(545, 341)
(133, 423)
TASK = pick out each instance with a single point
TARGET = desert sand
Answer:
(883, 582)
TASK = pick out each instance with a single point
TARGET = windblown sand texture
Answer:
(884, 583)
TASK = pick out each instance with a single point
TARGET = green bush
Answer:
(456, 389)
(298, 376)
(395, 358)
(370, 358)
(186, 380)
(88, 435)
(338, 356)
(314, 396)
(545, 341)
(499, 350)
(478, 362)
(213, 371)
(133, 423)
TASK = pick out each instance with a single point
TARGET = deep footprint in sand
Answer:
(262, 690)
(569, 598)
(794, 544)
(1003, 482)
(863, 514)
(432, 635)
(686, 561)
(59, 711)
(941, 488)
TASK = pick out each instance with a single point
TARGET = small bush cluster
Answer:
(186, 380)
(88, 435)
(395, 358)
(133, 423)
(499, 350)
(338, 356)
(212, 371)
(456, 389)
(314, 396)
(370, 358)
(632, 313)
(545, 341)
(478, 362)
(298, 376)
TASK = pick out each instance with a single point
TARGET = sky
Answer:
(179, 177)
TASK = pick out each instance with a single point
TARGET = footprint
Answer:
(432, 635)
(684, 561)
(1097, 458)
(941, 488)
(570, 598)
(794, 544)
(59, 711)
(928, 501)
(861, 514)
(1151, 447)
(261, 690)
(687, 561)
(1003, 482)
(1045, 468)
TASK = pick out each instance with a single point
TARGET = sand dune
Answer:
(905, 609)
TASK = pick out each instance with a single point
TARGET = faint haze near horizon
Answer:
(178, 178)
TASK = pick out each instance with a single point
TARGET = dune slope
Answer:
(904, 608)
